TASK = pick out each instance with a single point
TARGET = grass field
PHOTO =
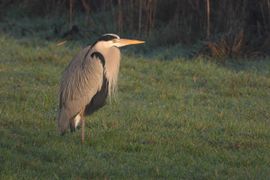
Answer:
(183, 118)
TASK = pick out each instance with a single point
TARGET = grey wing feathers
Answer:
(81, 81)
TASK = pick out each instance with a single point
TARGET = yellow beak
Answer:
(126, 42)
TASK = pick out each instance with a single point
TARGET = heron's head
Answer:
(113, 40)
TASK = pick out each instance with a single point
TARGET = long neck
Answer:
(112, 64)
(112, 58)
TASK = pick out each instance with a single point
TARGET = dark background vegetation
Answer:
(216, 28)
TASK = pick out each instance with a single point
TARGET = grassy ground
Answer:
(191, 119)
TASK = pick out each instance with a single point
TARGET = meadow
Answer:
(183, 118)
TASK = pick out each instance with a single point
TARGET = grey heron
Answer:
(88, 80)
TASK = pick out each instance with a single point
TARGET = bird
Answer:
(88, 80)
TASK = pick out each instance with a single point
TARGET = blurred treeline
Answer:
(225, 27)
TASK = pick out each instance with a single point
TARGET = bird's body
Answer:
(87, 81)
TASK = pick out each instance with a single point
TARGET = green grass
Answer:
(190, 119)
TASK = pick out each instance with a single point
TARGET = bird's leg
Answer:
(83, 126)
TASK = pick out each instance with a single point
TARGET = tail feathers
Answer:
(63, 121)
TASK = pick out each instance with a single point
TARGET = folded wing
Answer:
(82, 80)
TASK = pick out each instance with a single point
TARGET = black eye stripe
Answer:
(107, 38)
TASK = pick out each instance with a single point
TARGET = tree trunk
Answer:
(71, 3)
(150, 15)
(120, 17)
(140, 18)
(208, 18)
(86, 7)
